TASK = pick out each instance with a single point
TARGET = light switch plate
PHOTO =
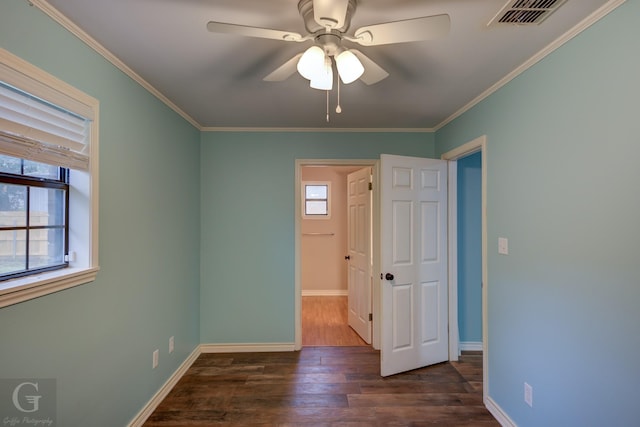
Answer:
(503, 246)
(528, 394)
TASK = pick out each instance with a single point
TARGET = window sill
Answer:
(26, 288)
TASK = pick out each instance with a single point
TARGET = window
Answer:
(34, 201)
(316, 199)
(48, 183)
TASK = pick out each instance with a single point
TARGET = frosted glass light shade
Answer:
(311, 62)
(349, 67)
(323, 80)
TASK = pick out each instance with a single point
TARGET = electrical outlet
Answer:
(528, 394)
(156, 357)
(171, 342)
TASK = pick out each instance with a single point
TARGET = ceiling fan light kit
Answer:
(316, 65)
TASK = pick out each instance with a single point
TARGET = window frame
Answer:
(305, 200)
(83, 187)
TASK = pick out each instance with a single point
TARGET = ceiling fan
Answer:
(327, 23)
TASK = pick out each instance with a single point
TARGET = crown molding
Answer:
(337, 130)
(65, 22)
(580, 27)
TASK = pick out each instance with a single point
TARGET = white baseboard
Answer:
(152, 404)
(498, 413)
(325, 293)
(246, 348)
(470, 345)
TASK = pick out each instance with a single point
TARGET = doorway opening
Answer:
(322, 256)
(478, 145)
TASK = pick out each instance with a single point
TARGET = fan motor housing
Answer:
(305, 7)
(331, 42)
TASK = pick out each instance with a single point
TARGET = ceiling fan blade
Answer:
(330, 13)
(263, 33)
(411, 30)
(373, 73)
(284, 71)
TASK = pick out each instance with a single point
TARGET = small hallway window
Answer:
(316, 200)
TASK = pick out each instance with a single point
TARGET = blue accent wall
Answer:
(97, 339)
(470, 248)
(247, 228)
(563, 141)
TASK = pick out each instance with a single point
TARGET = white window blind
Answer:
(36, 130)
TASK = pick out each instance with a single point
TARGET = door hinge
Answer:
(370, 186)
(370, 317)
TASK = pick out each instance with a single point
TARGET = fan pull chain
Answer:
(327, 106)
(338, 107)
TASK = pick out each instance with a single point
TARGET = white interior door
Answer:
(359, 248)
(413, 204)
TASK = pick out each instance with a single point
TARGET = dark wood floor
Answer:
(323, 386)
(334, 381)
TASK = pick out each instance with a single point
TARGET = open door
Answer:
(413, 213)
(359, 248)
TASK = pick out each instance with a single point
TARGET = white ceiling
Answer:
(216, 79)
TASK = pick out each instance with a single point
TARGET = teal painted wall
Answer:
(470, 248)
(208, 255)
(96, 340)
(247, 231)
(562, 146)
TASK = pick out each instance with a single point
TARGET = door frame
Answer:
(375, 241)
(477, 145)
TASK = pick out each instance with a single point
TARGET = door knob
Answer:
(388, 276)
(347, 257)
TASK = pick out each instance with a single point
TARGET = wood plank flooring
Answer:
(323, 386)
(325, 322)
(336, 385)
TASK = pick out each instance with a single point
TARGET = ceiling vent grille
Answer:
(526, 12)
